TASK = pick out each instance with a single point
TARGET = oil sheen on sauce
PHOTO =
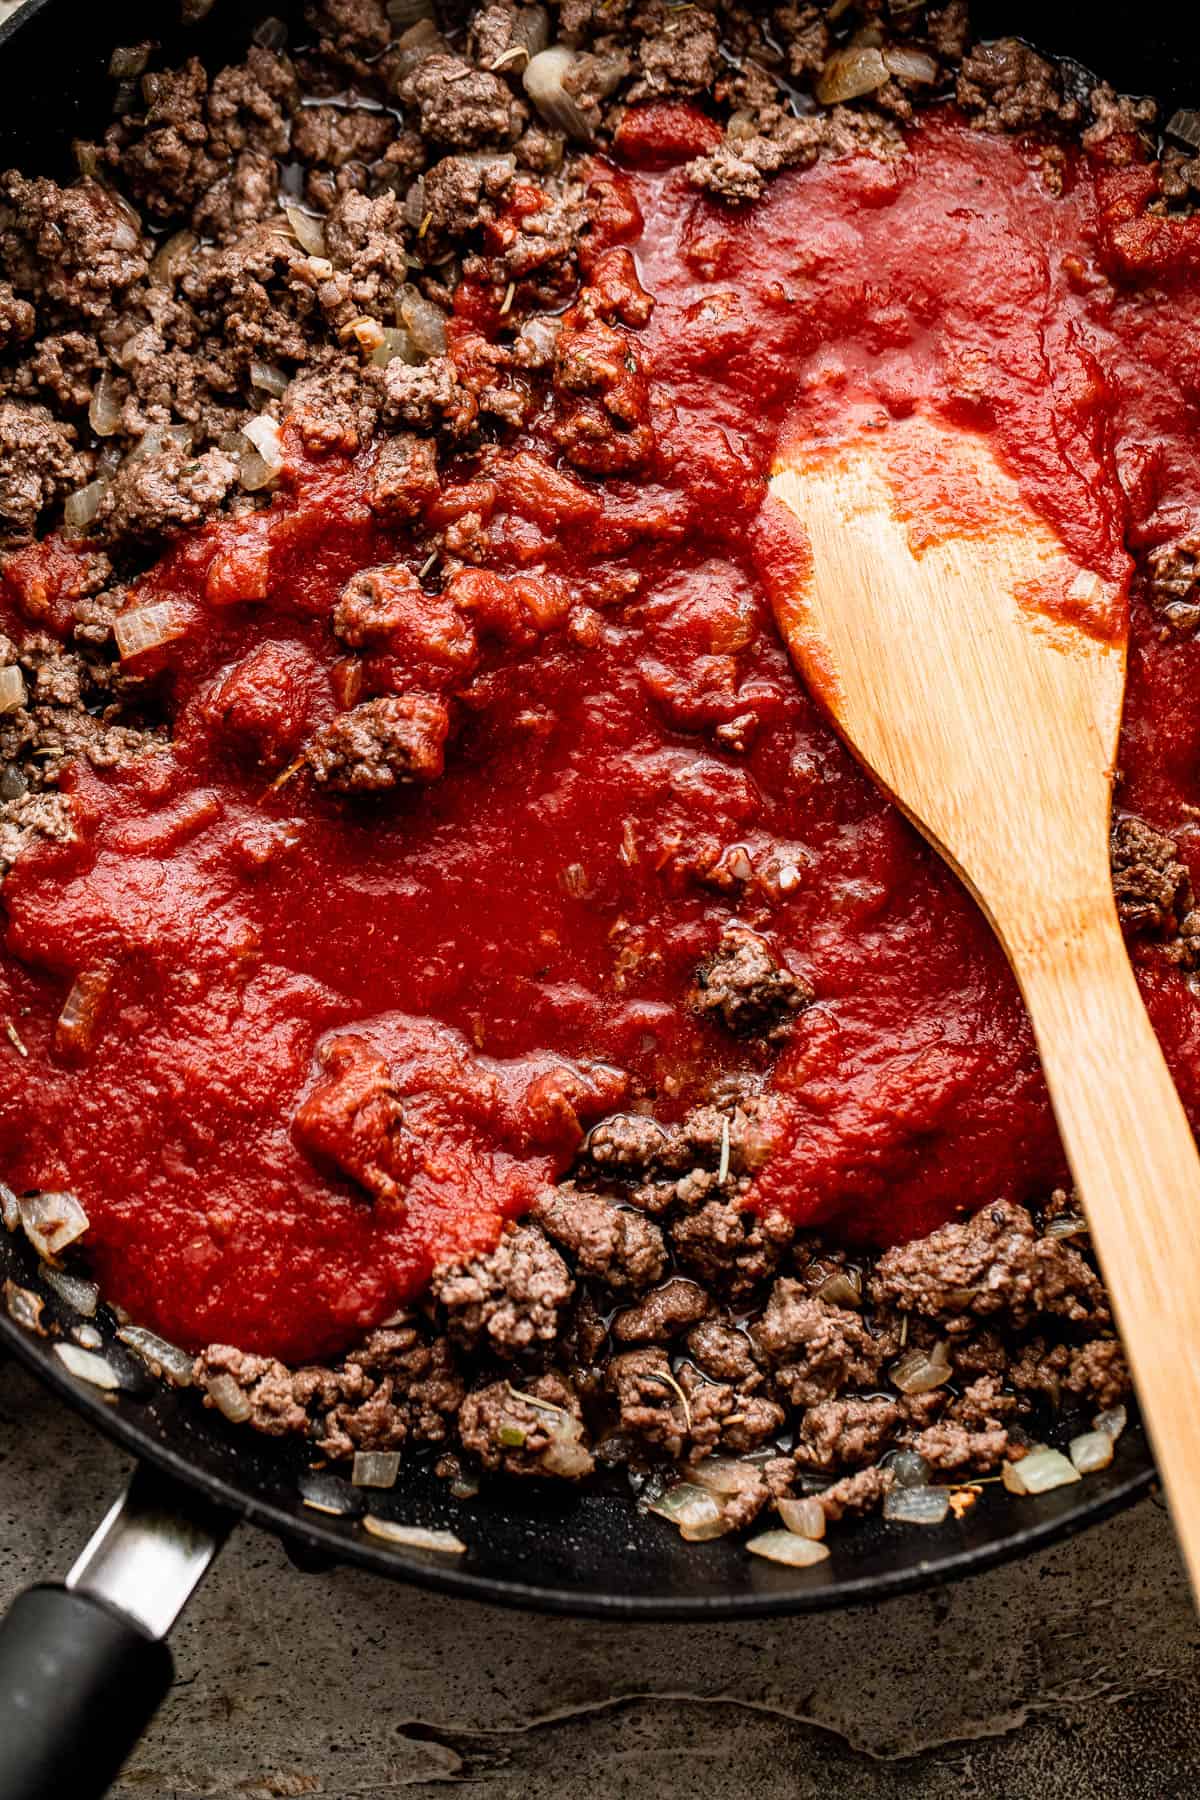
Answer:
(465, 973)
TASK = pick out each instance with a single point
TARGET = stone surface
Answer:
(1069, 1677)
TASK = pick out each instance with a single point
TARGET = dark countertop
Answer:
(1071, 1676)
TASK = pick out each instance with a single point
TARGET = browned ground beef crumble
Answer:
(155, 306)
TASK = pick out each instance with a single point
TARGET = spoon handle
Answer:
(1137, 1171)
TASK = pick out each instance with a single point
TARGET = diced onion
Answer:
(909, 1469)
(849, 73)
(910, 65)
(52, 1221)
(158, 1353)
(146, 628)
(12, 689)
(172, 256)
(1113, 1421)
(375, 1468)
(413, 46)
(804, 1517)
(1185, 125)
(81, 507)
(104, 408)
(424, 322)
(10, 1208)
(692, 1511)
(229, 1399)
(271, 33)
(566, 1455)
(414, 1537)
(308, 231)
(402, 13)
(88, 1336)
(542, 79)
(842, 1288)
(366, 332)
(1067, 1225)
(268, 378)
(128, 60)
(24, 1307)
(786, 1547)
(1091, 1451)
(395, 345)
(1040, 1471)
(77, 1024)
(722, 1475)
(920, 1371)
(81, 1296)
(88, 1366)
(916, 1505)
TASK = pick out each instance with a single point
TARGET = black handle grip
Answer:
(79, 1682)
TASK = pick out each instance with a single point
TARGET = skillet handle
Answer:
(79, 1682)
(84, 1664)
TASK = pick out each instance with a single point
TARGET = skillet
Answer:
(83, 1666)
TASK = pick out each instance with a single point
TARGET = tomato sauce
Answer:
(317, 1042)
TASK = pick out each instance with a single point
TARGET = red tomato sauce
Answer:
(328, 1041)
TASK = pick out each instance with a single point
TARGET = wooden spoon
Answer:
(978, 672)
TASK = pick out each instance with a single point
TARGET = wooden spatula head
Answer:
(961, 651)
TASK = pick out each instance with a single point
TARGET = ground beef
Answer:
(728, 1248)
(535, 1430)
(649, 1403)
(723, 1352)
(838, 1434)
(815, 1350)
(664, 1313)
(1006, 86)
(38, 463)
(1153, 889)
(1099, 1372)
(605, 1241)
(158, 493)
(745, 986)
(460, 107)
(510, 1301)
(331, 136)
(855, 1494)
(952, 1448)
(995, 1263)
(737, 170)
(381, 744)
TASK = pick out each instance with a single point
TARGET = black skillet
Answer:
(83, 1666)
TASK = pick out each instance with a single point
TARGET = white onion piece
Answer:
(272, 34)
(88, 1366)
(159, 1354)
(172, 256)
(396, 346)
(88, 1336)
(1185, 125)
(146, 628)
(424, 322)
(414, 1537)
(909, 1469)
(910, 65)
(24, 1307)
(694, 1513)
(722, 1475)
(920, 1371)
(308, 231)
(1040, 1471)
(81, 1296)
(128, 60)
(229, 1399)
(104, 408)
(254, 473)
(52, 1221)
(916, 1505)
(10, 1208)
(566, 1455)
(81, 507)
(1113, 1421)
(263, 433)
(542, 79)
(842, 1288)
(849, 73)
(1067, 1225)
(366, 332)
(402, 13)
(12, 689)
(375, 1468)
(268, 378)
(1091, 1451)
(786, 1547)
(805, 1517)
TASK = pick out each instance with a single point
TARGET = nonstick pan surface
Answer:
(586, 1552)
